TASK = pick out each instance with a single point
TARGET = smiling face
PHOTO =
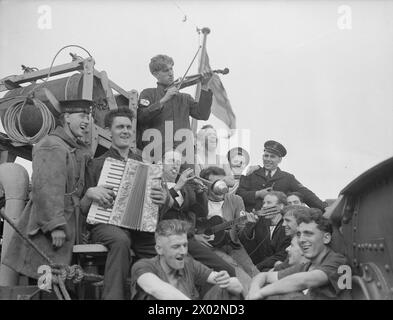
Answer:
(312, 240)
(165, 75)
(271, 160)
(295, 253)
(121, 132)
(290, 225)
(173, 249)
(77, 123)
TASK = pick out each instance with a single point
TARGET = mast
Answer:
(205, 32)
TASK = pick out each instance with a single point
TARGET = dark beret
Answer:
(275, 147)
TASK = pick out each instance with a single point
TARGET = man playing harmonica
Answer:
(119, 241)
(264, 240)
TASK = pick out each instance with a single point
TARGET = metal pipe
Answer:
(14, 180)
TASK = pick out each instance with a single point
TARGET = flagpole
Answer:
(205, 31)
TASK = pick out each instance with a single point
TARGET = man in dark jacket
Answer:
(164, 111)
(265, 240)
(254, 187)
(119, 241)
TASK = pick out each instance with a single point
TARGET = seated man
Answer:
(265, 239)
(291, 215)
(119, 241)
(225, 208)
(318, 279)
(295, 256)
(172, 275)
(187, 199)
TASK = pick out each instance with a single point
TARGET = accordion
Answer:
(133, 208)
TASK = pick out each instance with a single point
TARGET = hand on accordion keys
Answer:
(103, 194)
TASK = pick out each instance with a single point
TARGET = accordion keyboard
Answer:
(133, 207)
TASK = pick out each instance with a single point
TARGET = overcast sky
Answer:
(316, 76)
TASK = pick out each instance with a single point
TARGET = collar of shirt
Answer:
(312, 265)
(60, 132)
(275, 225)
(179, 197)
(177, 273)
(161, 88)
(271, 171)
(272, 228)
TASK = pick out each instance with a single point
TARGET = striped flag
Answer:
(221, 106)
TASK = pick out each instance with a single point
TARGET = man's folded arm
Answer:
(295, 282)
(158, 288)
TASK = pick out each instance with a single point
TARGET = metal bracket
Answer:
(133, 96)
(88, 75)
(108, 91)
(377, 286)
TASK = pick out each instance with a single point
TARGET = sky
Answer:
(316, 76)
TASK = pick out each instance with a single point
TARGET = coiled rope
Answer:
(12, 122)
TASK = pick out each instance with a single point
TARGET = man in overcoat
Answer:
(49, 218)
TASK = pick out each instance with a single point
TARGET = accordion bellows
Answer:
(133, 207)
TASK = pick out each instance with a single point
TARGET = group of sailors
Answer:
(224, 231)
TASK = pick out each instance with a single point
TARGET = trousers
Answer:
(119, 242)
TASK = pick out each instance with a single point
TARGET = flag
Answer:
(221, 107)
